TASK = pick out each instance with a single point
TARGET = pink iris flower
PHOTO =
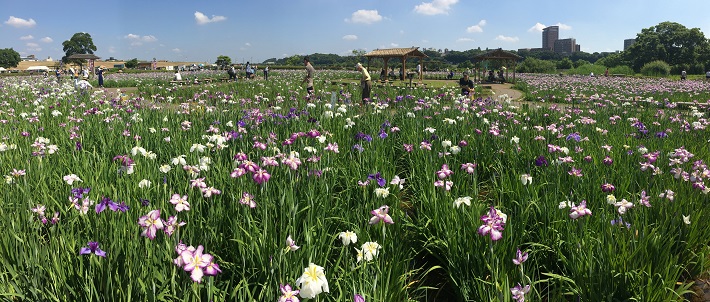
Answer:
(151, 223)
(381, 214)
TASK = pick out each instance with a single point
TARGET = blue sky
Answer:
(257, 30)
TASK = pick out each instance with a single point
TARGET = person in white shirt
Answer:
(83, 86)
(178, 76)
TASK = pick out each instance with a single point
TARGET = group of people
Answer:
(466, 84)
(81, 78)
(250, 71)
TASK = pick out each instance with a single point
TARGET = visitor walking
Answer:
(683, 75)
(266, 73)
(232, 73)
(100, 73)
(365, 82)
(249, 71)
(310, 71)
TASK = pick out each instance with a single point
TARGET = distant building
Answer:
(566, 45)
(29, 58)
(549, 36)
(628, 43)
(534, 49)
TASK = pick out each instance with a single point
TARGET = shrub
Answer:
(656, 68)
(587, 69)
(532, 65)
(622, 69)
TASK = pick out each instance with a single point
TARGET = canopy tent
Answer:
(401, 53)
(2, 69)
(38, 68)
(505, 57)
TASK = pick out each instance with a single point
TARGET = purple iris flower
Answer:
(574, 136)
(93, 247)
(377, 177)
(122, 206)
(541, 161)
(105, 201)
(383, 134)
(79, 192)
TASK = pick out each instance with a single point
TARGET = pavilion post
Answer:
(385, 67)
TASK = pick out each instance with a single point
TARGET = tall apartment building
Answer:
(628, 43)
(549, 36)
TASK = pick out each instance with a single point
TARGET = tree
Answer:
(80, 43)
(294, 60)
(223, 61)
(532, 65)
(669, 42)
(565, 63)
(9, 57)
(132, 63)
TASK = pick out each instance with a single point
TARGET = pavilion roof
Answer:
(497, 54)
(85, 56)
(396, 53)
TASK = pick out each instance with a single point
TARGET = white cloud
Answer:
(460, 40)
(202, 19)
(19, 22)
(176, 50)
(33, 47)
(436, 7)
(365, 16)
(564, 26)
(247, 44)
(137, 40)
(47, 40)
(350, 37)
(478, 28)
(537, 28)
(507, 39)
(394, 44)
(27, 37)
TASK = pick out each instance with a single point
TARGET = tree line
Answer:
(668, 47)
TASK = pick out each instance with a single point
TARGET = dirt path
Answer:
(501, 89)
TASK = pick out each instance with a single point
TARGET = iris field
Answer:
(592, 189)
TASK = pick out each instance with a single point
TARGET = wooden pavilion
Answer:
(506, 58)
(79, 57)
(397, 53)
